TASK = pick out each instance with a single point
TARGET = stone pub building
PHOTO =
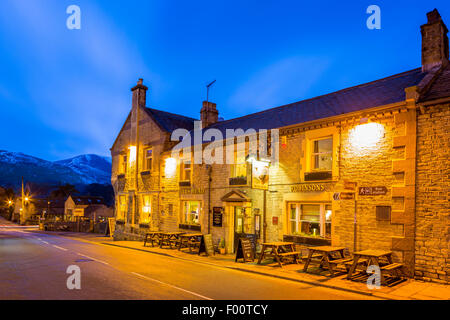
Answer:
(366, 167)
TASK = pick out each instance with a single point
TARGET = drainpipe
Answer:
(209, 198)
(264, 216)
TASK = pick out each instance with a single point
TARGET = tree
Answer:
(63, 191)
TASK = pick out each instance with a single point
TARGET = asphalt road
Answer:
(33, 266)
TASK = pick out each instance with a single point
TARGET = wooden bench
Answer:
(154, 237)
(392, 266)
(394, 269)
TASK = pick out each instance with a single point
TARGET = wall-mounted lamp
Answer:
(170, 167)
(132, 153)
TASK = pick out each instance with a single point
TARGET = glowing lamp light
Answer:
(146, 209)
(26, 198)
(328, 215)
(366, 136)
(132, 154)
(170, 167)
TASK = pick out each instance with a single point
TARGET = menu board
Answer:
(111, 226)
(217, 216)
(206, 245)
(245, 250)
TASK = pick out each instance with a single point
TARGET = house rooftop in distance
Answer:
(87, 200)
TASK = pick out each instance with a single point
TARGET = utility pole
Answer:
(21, 213)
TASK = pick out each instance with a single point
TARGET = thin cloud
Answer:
(285, 81)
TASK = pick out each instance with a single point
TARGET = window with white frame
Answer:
(191, 212)
(321, 154)
(148, 159)
(310, 219)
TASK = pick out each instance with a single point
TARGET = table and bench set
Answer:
(329, 258)
(173, 240)
(334, 260)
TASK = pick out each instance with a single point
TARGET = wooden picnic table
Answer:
(189, 240)
(152, 236)
(373, 258)
(169, 238)
(325, 252)
(278, 251)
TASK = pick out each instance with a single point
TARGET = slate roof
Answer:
(377, 93)
(440, 87)
(170, 121)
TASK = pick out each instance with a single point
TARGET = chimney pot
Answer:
(435, 49)
(208, 114)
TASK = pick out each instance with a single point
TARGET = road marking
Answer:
(63, 249)
(83, 255)
(175, 287)
(45, 242)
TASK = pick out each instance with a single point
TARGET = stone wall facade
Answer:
(433, 194)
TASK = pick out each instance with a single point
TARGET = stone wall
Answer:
(433, 194)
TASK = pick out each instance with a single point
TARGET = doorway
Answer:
(239, 230)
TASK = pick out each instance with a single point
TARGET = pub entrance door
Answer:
(239, 231)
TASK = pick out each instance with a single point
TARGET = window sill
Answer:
(195, 227)
(318, 176)
(238, 181)
(309, 240)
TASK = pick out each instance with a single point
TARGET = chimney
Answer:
(139, 95)
(434, 42)
(209, 114)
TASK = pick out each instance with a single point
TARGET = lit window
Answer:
(310, 219)
(186, 170)
(146, 208)
(191, 212)
(148, 162)
(321, 154)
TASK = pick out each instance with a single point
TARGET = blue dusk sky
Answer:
(67, 92)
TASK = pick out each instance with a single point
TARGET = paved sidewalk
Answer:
(408, 290)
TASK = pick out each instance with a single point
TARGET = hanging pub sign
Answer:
(217, 216)
(373, 191)
(206, 245)
(245, 250)
(260, 175)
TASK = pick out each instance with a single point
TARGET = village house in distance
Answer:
(366, 167)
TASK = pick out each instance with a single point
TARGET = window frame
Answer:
(313, 154)
(298, 214)
(123, 163)
(183, 170)
(146, 159)
(143, 206)
(183, 215)
(123, 207)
